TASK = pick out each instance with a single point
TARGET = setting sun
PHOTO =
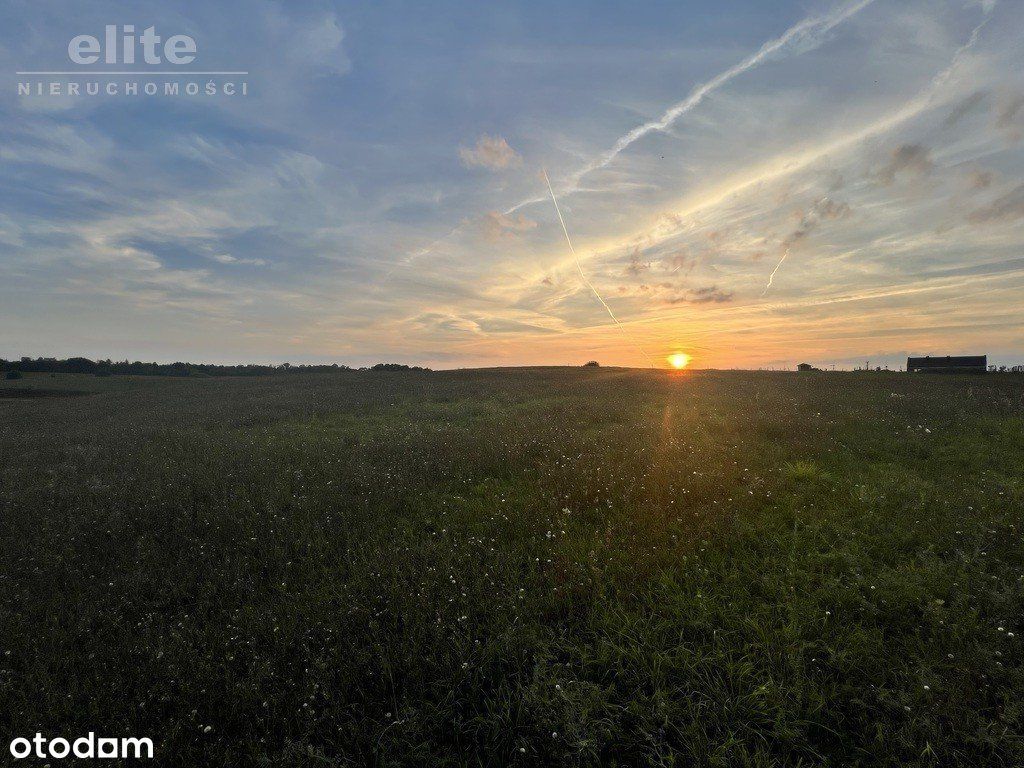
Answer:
(679, 360)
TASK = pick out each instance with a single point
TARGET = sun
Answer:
(679, 360)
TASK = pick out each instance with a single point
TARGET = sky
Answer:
(753, 184)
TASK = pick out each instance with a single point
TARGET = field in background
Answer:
(557, 566)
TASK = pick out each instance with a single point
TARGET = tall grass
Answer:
(572, 567)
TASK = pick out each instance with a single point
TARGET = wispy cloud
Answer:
(964, 107)
(710, 294)
(498, 226)
(911, 159)
(1006, 207)
(490, 152)
(227, 258)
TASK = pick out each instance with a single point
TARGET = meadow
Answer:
(517, 567)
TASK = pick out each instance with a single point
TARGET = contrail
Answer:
(937, 82)
(808, 30)
(772, 275)
(787, 165)
(583, 276)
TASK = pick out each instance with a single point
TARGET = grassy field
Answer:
(518, 567)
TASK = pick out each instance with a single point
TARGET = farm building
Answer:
(948, 364)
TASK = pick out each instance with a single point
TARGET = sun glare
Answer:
(679, 360)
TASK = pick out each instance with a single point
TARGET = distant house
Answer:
(806, 367)
(948, 364)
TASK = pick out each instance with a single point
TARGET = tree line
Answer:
(137, 368)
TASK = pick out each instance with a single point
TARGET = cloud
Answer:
(454, 323)
(322, 44)
(310, 42)
(636, 266)
(490, 152)
(1006, 113)
(498, 226)
(1008, 207)
(227, 258)
(980, 179)
(963, 108)
(444, 322)
(498, 325)
(825, 209)
(679, 260)
(829, 210)
(912, 159)
(710, 294)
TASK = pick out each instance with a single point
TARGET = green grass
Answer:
(518, 567)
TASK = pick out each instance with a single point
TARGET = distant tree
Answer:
(125, 368)
(10, 375)
(79, 365)
(592, 364)
(396, 367)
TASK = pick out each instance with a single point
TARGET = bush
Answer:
(11, 375)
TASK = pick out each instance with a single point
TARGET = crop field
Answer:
(517, 567)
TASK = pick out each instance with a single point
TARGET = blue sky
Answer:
(377, 193)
